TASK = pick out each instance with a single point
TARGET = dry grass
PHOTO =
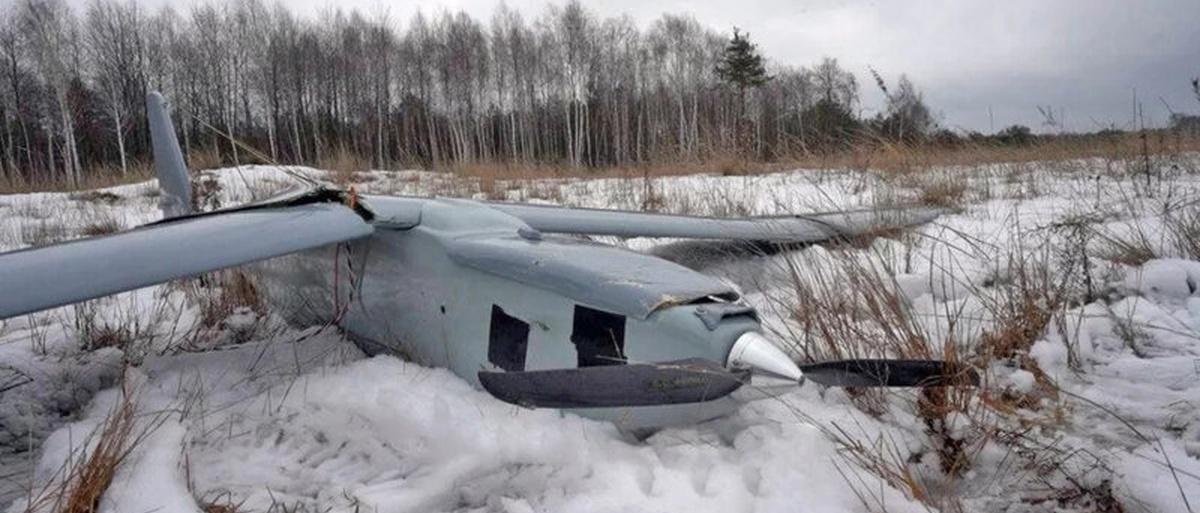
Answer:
(948, 193)
(1132, 251)
(1022, 306)
(1133, 248)
(200, 159)
(1183, 226)
(343, 164)
(94, 196)
(496, 181)
(221, 502)
(1175, 232)
(872, 154)
(235, 290)
(107, 335)
(540, 171)
(845, 303)
(95, 178)
(79, 484)
(96, 473)
(102, 226)
(848, 306)
(223, 294)
(120, 322)
(882, 457)
(889, 158)
(43, 232)
(906, 159)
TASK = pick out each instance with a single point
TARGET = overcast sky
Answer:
(1083, 58)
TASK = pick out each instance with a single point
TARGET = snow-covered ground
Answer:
(1099, 412)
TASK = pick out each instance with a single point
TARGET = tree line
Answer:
(566, 87)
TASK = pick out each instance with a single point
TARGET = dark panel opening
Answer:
(508, 338)
(599, 337)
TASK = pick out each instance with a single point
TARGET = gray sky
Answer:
(1084, 58)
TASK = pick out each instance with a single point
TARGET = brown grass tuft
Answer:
(103, 197)
(221, 502)
(1022, 308)
(943, 193)
(1132, 250)
(844, 303)
(103, 226)
(98, 177)
(847, 307)
(98, 470)
(80, 483)
(200, 159)
(235, 290)
(343, 164)
(107, 335)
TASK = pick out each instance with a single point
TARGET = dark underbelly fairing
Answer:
(467, 292)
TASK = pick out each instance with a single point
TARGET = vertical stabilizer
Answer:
(173, 181)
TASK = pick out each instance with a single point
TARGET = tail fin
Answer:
(176, 187)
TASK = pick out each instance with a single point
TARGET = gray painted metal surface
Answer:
(609, 278)
(40, 278)
(806, 228)
(176, 188)
(416, 293)
(889, 373)
(613, 386)
(395, 212)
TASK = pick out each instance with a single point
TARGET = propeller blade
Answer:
(683, 381)
(890, 373)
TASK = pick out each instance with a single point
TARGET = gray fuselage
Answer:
(461, 285)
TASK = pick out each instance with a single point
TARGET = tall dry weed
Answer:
(845, 302)
(79, 484)
(342, 164)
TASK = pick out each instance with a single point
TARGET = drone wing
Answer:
(40, 278)
(184, 244)
(781, 229)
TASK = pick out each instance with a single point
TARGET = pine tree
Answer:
(742, 66)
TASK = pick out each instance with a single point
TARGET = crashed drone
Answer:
(507, 296)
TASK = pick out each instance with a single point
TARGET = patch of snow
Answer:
(1162, 479)
(1021, 380)
(1163, 280)
(151, 478)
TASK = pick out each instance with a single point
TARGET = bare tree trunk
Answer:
(70, 155)
(568, 88)
(299, 150)
(9, 154)
(119, 128)
(434, 149)
(50, 152)
(271, 138)
(229, 124)
(379, 135)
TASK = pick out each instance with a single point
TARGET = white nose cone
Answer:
(752, 351)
